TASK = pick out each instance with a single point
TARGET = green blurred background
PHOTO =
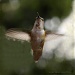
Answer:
(15, 57)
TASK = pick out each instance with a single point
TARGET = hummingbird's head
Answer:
(39, 23)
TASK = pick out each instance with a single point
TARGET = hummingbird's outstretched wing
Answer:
(20, 34)
(51, 35)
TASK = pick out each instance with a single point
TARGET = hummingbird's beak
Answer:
(38, 17)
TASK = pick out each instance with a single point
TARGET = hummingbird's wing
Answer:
(51, 35)
(20, 34)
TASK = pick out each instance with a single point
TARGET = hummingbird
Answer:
(37, 36)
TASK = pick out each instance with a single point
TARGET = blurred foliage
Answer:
(26, 10)
(15, 57)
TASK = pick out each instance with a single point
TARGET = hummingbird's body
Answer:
(37, 37)
(37, 42)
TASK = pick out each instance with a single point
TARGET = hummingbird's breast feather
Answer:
(41, 34)
(37, 36)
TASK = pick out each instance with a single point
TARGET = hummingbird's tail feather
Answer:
(36, 61)
(16, 34)
(37, 54)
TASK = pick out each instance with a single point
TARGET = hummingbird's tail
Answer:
(37, 54)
